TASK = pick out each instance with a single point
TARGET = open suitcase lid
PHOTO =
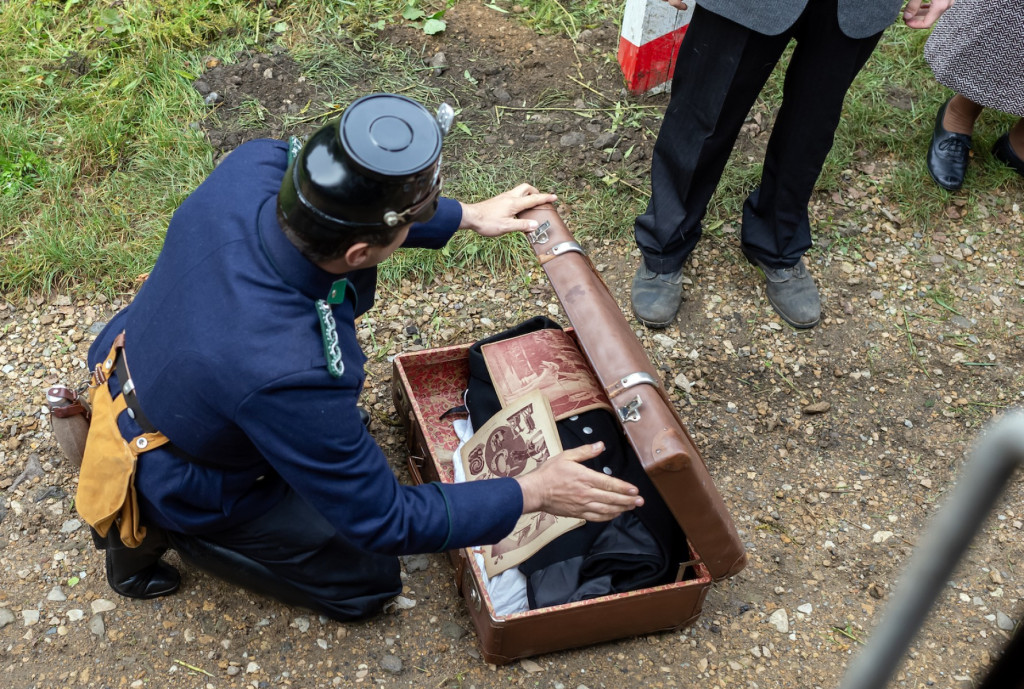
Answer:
(649, 419)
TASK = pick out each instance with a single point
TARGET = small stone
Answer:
(251, 668)
(453, 630)
(572, 139)
(683, 383)
(300, 623)
(56, 594)
(881, 536)
(322, 643)
(6, 617)
(817, 408)
(70, 526)
(780, 619)
(416, 563)
(268, 73)
(664, 341)
(233, 670)
(212, 98)
(606, 140)
(400, 603)
(995, 576)
(530, 666)
(201, 86)
(806, 608)
(392, 664)
(76, 615)
(32, 470)
(439, 62)
(96, 625)
(30, 617)
(1003, 621)
(101, 605)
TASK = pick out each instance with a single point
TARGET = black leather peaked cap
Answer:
(379, 166)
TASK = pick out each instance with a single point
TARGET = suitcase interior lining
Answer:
(435, 381)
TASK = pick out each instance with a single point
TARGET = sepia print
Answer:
(515, 441)
(549, 361)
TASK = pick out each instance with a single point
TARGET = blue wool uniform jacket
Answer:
(224, 346)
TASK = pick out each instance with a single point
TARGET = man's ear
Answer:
(357, 254)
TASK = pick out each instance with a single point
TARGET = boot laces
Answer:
(954, 145)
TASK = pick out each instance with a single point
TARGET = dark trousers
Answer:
(721, 68)
(294, 555)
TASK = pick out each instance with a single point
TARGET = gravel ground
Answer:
(832, 448)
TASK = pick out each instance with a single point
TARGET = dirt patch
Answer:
(832, 448)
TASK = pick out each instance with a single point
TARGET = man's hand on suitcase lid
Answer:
(563, 487)
(497, 216)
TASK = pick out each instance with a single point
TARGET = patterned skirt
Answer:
(977, 49)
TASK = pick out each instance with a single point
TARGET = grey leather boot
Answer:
(656, 296)
(791, 292)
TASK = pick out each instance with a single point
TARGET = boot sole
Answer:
(656, 325)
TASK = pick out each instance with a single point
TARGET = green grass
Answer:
(99, 140)
(95, 105)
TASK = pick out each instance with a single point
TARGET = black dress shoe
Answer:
(948, 154)
(139, 572)
(1003, 152)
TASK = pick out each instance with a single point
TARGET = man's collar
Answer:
(295, 269)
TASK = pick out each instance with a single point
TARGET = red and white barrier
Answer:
(651, 33)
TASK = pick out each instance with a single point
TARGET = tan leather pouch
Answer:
(106, 486)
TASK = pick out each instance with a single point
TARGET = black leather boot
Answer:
(139, 572)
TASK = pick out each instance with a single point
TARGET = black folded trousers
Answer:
(291, 553)
(721, 68)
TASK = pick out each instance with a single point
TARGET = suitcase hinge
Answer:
(540, 235)
(631, 411)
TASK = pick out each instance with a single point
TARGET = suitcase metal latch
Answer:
(631, 411)
(565, 247)
(540, 235)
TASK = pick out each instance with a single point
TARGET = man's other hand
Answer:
(563, 487)
(497, 216)
(678, 4)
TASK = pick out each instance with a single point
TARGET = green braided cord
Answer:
(329, 333)
(294, 146)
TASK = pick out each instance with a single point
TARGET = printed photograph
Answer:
(515, 441)
(549, 361)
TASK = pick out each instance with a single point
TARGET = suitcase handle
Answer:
(982, 481)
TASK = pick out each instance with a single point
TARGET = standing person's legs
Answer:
(776, 228)
(293, 554)
(721, 68)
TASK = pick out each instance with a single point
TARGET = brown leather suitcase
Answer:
(427, 383)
